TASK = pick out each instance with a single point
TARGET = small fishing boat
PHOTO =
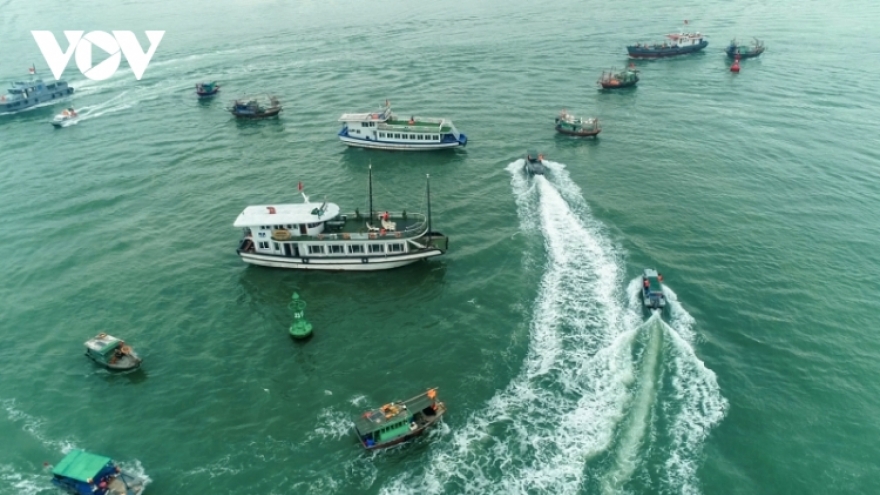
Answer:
(745, 51)
(570, 125)
(534, 163)
(300, 328)
(677, 44)
(616, 80)
(256, 107)
(207, 89)
(385, 130)
(112, 353)
(399, 421)
(65, 118)
(316, 236)
(652, 290)
(83, 473)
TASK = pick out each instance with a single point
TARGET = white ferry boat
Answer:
(315, 236)
(384, 130)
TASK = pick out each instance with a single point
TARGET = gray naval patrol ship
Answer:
(25, 94)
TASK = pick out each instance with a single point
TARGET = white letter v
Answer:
(51, 51)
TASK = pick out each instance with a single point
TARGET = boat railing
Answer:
(418, 127)
(375, 232)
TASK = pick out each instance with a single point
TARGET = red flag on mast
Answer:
(685, 21)
(300, 186)
(32, 70)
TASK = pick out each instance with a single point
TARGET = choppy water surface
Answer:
(754, 194)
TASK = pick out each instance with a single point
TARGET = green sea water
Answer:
(755, 194)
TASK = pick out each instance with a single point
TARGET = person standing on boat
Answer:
(385, 216)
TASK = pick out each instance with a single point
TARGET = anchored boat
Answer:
(24, 95)
(315, 236)
(112, 353)
(745, 51)
(82, 473)
(399, 421)
(616, 80)
(570, 125)
(534, 163)
(256, 107)
(652, 290)
(207, 89)
(65, 118)
(384, 130)
(677, 44)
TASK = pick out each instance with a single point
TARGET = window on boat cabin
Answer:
(264, 245)
(336, 248)
(395, 248)
(316, 249)
(397, 136)
(313, 225)
(377, 248)
(277, 246)
(355, 248)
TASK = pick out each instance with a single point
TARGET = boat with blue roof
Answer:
(206, 89)
(26, 94)
(385, 130)
(681, 43)
(399, 421)
(84, 473)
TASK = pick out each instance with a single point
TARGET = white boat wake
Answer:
(580, 414)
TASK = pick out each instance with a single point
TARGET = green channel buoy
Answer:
(300, 328)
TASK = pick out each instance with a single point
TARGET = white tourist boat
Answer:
(315, 236)
(384, 130)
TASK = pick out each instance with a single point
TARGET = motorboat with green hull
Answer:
(534, 163)
(652, 290)
(84, 473)
(399, 421)
(112, 353)
(317, 236)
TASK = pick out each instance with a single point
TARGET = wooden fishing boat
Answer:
(677, 44)
(83, 473)
(745, 51)
(207, 89)
(112, 353)
(570, 125)
(399, 421)
(256, 107)
(616, 80)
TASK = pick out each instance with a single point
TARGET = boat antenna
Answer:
(370, 220)
(428, 188)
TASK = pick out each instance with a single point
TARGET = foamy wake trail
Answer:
(538, 434)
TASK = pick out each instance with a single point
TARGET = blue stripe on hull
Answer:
(639, 52)
(448, 142)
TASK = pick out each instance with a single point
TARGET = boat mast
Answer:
(428, 187)
(370, 219)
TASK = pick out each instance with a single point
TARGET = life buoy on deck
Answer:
(382, 232)
(320, 236)
(397, 234)
(372, 235)
(102, 335)
(126, 349)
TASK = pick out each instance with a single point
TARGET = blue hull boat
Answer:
(677, 44)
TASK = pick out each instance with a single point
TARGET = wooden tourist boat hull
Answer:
(642, 52)
(584, 133)
(364, 264)
(256, 116)
(441, 410)
(743, 52)
(385, 145)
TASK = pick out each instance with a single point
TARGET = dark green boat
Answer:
(399, 421)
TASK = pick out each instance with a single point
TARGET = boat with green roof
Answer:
(399, 421)
(385, 130)
(112, 353)
(83, 473)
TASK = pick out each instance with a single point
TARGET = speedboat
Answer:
(65, 118)
(652, 290)
(84, 473)
(112, 353)
(535, 163)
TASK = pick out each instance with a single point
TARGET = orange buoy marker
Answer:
(735, 66)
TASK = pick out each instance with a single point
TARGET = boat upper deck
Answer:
(296, 213)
